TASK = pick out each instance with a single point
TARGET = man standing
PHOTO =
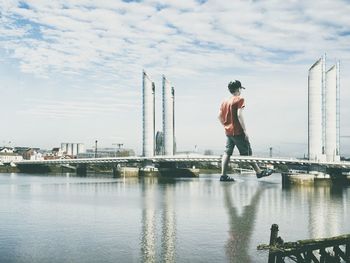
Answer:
(231, 117)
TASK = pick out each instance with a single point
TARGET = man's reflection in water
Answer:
(241, 226)
(151, 225)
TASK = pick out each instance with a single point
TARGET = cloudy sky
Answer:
(71, 70)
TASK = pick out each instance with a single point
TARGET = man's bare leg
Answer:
(256, 168)
(224, 163)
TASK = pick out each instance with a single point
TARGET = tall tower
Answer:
(148, 116)
(168, 117)
(332, 114)
(338, 111)
(316, 88)
(323, 109)
(324, 112)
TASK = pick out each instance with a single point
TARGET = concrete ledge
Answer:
(179, 172)
(170, 172)
(312, 178)
(298, 178)
(126, 172)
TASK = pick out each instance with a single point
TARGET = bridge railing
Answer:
(188, 158)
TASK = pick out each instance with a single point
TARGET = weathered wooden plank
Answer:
(347, 250)
(323, 255)
(340, 253)
(300, 259)
(280, 259)
(311, 257)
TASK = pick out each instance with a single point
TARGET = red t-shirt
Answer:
(228, 115)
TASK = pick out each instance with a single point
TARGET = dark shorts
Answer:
(242, 144)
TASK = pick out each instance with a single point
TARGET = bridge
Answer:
(174, 165)
(185, 159)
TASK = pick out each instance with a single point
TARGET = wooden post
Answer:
(323, 255)
(273, 238)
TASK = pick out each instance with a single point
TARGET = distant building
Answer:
(7, 155)
(6, 149)
(72, 149)
(29, 153)
(107, 152)
(55, 153)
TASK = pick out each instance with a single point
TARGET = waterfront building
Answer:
(7, 155)
(29, 153)
(72, 149)
(6, 149)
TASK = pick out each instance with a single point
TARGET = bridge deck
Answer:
(185, 159)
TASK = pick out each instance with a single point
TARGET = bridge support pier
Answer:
(82, 169)
(117, 171)
(335, 172)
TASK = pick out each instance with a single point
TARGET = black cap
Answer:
(234, 85)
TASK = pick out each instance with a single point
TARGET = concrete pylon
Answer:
(148, 116)
(168, 117)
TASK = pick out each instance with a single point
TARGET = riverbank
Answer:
(8, 169)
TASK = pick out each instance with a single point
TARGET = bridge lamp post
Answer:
(120, 145)
(96, 149)
(115, 148)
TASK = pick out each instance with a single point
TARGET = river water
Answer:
(73, 219)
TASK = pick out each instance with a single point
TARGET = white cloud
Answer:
(78, 36)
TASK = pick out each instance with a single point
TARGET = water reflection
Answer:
(168, 225)
(155, 200)
(326, 205)
(240, 226)
(158, 220)
(148, 242)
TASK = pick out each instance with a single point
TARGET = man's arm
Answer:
(241, 121)
(220, 117)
